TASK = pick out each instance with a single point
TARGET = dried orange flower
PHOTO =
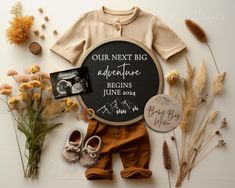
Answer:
(33, 69)
(13, 100)
(6, 91)
(25, 86)
(5, 86)
(19, 29)
(12, 72)
(36, 96)
(22, 96)
(22, 78)
(35, 83)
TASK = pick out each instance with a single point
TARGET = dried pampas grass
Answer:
(218, 84)
(197, 135)
(189, 100)
(201, 79)
(213, 116)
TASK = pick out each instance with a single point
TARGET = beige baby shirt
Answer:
(95, 26)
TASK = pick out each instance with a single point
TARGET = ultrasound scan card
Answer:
(70, 82)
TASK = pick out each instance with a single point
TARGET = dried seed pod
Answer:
(43, 26)
(55, 32)
(224, 123)
(46, 18)
(36, 32)
(40, 10)
(42, 37)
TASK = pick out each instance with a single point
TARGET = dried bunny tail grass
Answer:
(166, 156)
(213, 116)
(218, 84)
(199, 33)
(196, 30)
(201, 79)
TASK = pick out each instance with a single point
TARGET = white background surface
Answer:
(217, 19)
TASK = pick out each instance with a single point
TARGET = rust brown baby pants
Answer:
(131, 141)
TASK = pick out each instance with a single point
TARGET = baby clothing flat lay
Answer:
(131, 141)
(95, 26)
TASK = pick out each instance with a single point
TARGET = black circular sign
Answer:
(124, 75)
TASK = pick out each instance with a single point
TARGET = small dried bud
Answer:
(224, 123)
(42, 37)
(217, 132)
(43, 26)
(36, 32)
(40, 10)
(55, 32)
(46, 18)
(221, 143)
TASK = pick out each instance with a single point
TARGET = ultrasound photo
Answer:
(70, 82)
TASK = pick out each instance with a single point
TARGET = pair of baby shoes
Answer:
(75, 150)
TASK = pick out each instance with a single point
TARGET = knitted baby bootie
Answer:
(90, 152)
(73, 147)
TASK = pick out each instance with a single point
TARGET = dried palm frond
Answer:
(218, 84)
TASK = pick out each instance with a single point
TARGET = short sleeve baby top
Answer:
(97, 25)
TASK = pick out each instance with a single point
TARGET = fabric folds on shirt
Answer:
(95, 26)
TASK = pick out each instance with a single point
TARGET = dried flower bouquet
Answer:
(35, 110)
(197, 136)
